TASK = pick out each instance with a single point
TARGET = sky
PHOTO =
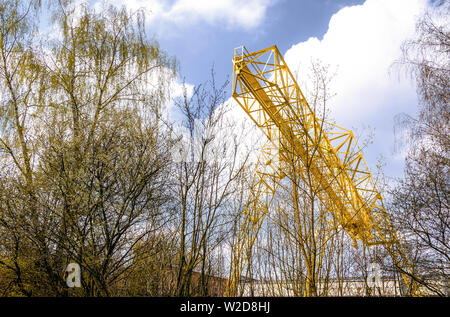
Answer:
(359, 39)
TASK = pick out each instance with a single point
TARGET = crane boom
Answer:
(267, 91)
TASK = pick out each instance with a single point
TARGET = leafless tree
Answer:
(420, 202)
(205, 183)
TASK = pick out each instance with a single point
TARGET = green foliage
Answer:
(82, 161)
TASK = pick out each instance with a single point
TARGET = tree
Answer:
(85, 155)
(298, 241)
(421, 199)
(21, 80)
(305, 220)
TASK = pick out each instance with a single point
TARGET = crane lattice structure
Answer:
(265, 88)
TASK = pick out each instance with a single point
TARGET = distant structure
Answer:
(389, 287)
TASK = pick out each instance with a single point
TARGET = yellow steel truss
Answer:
(265, 88)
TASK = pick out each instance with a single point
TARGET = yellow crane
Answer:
(265, 88)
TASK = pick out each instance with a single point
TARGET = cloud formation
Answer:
(224, 13)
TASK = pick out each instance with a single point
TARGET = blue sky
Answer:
(286, 22)
(359, 39)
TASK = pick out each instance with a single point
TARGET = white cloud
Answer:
(362, 42)
(227, 13)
